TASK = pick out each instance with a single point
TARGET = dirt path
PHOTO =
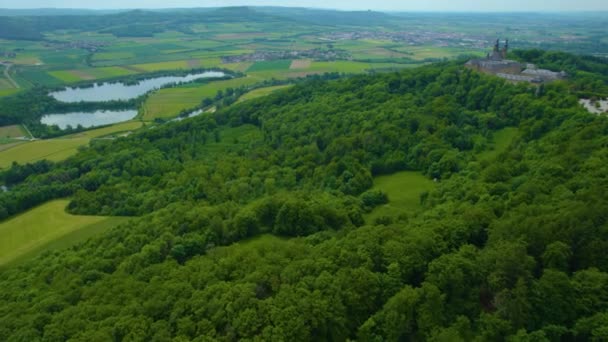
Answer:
(28, 132)
(8, 75)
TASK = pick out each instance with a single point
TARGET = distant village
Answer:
(91, 46)
(411, 38)
(496, 63)
(316, 54)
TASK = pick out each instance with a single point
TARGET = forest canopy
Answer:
(262, 235)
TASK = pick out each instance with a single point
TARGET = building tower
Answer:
(505, 50)
(496, 53)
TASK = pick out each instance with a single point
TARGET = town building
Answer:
(496, 63)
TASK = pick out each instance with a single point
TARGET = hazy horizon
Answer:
(380, 5)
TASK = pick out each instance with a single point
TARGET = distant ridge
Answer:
(41, 12)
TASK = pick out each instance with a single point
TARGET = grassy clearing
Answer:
(261, 92)
(403, 190)
(47, 227)
(13, 131)
(231, 137)
(169, 102)
(502, 139)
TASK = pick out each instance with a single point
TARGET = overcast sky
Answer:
(390, 5)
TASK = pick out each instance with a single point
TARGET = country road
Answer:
(8, 75)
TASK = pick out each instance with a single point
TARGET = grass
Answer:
(7, 92)
(47, 227)
(104, 56)
(13, 131)
(71, 76)
(65, 76)
(502, 139)
(231, 137)
(403, 190)
(5, 84)
(150, 67)
(58, 149)
(169, 102)
(53, 149)
(261, 92)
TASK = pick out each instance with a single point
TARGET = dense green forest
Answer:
(249, 223)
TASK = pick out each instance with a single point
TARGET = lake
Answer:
(88, 119)
(107, 91)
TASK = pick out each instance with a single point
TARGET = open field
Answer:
(53, 149)
(261, 92)
(403, 190)
(58, 149)
(70, 76)
(169, 102)
(47, 227)
(173, 65)
(13, 131)
(300, 64)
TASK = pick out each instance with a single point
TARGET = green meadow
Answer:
(47, 227)
(169, 102)
(260, 92)
(403, 190)
(58, 149)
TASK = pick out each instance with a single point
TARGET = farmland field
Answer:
(270, 66)
(78, 75)
(47, 226)
(54, 150)
(58, 149)
(168, 103)
(13, 131)
(403, 190)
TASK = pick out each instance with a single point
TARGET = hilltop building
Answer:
(496, 63)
